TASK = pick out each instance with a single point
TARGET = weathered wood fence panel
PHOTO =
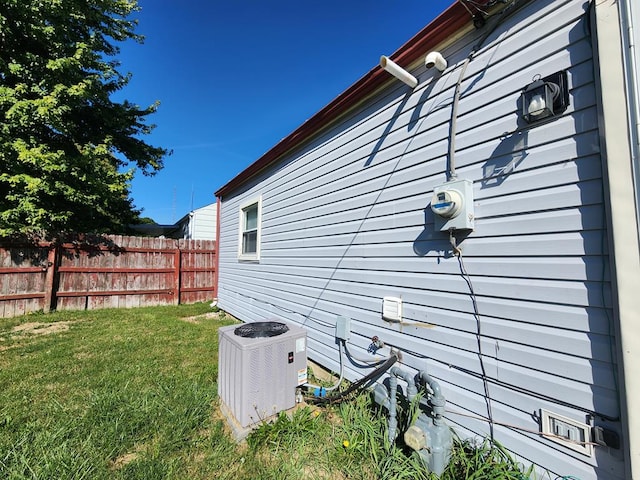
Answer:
(197, 271)
(105, 272)
(23, 275)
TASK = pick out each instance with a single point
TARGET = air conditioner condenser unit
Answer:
(260, 366)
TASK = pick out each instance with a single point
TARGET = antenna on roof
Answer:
(173, 206)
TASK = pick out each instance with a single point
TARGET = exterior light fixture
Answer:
(545, 97)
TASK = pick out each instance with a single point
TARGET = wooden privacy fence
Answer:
(105, 272)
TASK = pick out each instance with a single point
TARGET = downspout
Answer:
(622, 215)
(630, 15)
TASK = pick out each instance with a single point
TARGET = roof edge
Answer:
(438, 30)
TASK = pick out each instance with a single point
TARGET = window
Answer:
(249, 238)
(250, 230)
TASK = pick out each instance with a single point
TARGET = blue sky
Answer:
(234, 78)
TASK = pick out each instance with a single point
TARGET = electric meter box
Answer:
(452, 206)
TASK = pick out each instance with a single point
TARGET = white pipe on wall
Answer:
(398, 72)
(435, 59)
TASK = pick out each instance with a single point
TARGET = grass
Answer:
(131, 394)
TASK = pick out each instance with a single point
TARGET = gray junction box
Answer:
(258, 375)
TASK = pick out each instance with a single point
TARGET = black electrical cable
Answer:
(360, 363)
(537, 395)
(476, 314)
(451, 174)
(516, 388)
(356, 386)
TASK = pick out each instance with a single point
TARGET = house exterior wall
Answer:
(528, 306)
(200, 224)
(204, 222)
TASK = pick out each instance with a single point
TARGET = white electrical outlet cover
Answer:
(555, 426)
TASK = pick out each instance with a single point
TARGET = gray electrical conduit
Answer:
(437, 400)
(451, 172)
(330, 389)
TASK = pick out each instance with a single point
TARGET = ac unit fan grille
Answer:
(261, 329)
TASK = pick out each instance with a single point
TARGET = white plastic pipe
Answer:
(398, 72)
(435, 59)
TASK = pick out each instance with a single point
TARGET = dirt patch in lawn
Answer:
(123, 460)
(29, 329)
(39, 328)
(126, 458)
(204, 316)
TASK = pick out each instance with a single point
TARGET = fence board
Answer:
(105, 272)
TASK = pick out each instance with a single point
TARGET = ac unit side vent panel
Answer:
(257, 377)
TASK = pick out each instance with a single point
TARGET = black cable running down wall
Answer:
(356, 386)
(451, 174)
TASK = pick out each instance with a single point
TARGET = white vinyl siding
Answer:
(346, 221)
(200, 224)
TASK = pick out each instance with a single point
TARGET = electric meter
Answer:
(452, 204)
(447, 203)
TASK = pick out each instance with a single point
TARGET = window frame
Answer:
(242, 216)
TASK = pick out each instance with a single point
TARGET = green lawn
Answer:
(131, 394)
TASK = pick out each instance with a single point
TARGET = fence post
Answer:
(50, 278)
(178, 267)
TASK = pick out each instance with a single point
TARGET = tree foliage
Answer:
(67, 149)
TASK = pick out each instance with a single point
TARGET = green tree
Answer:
(146, 221)
(68, 151)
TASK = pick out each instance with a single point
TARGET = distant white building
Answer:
(198, 224)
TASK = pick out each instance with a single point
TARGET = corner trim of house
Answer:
(620, 202)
